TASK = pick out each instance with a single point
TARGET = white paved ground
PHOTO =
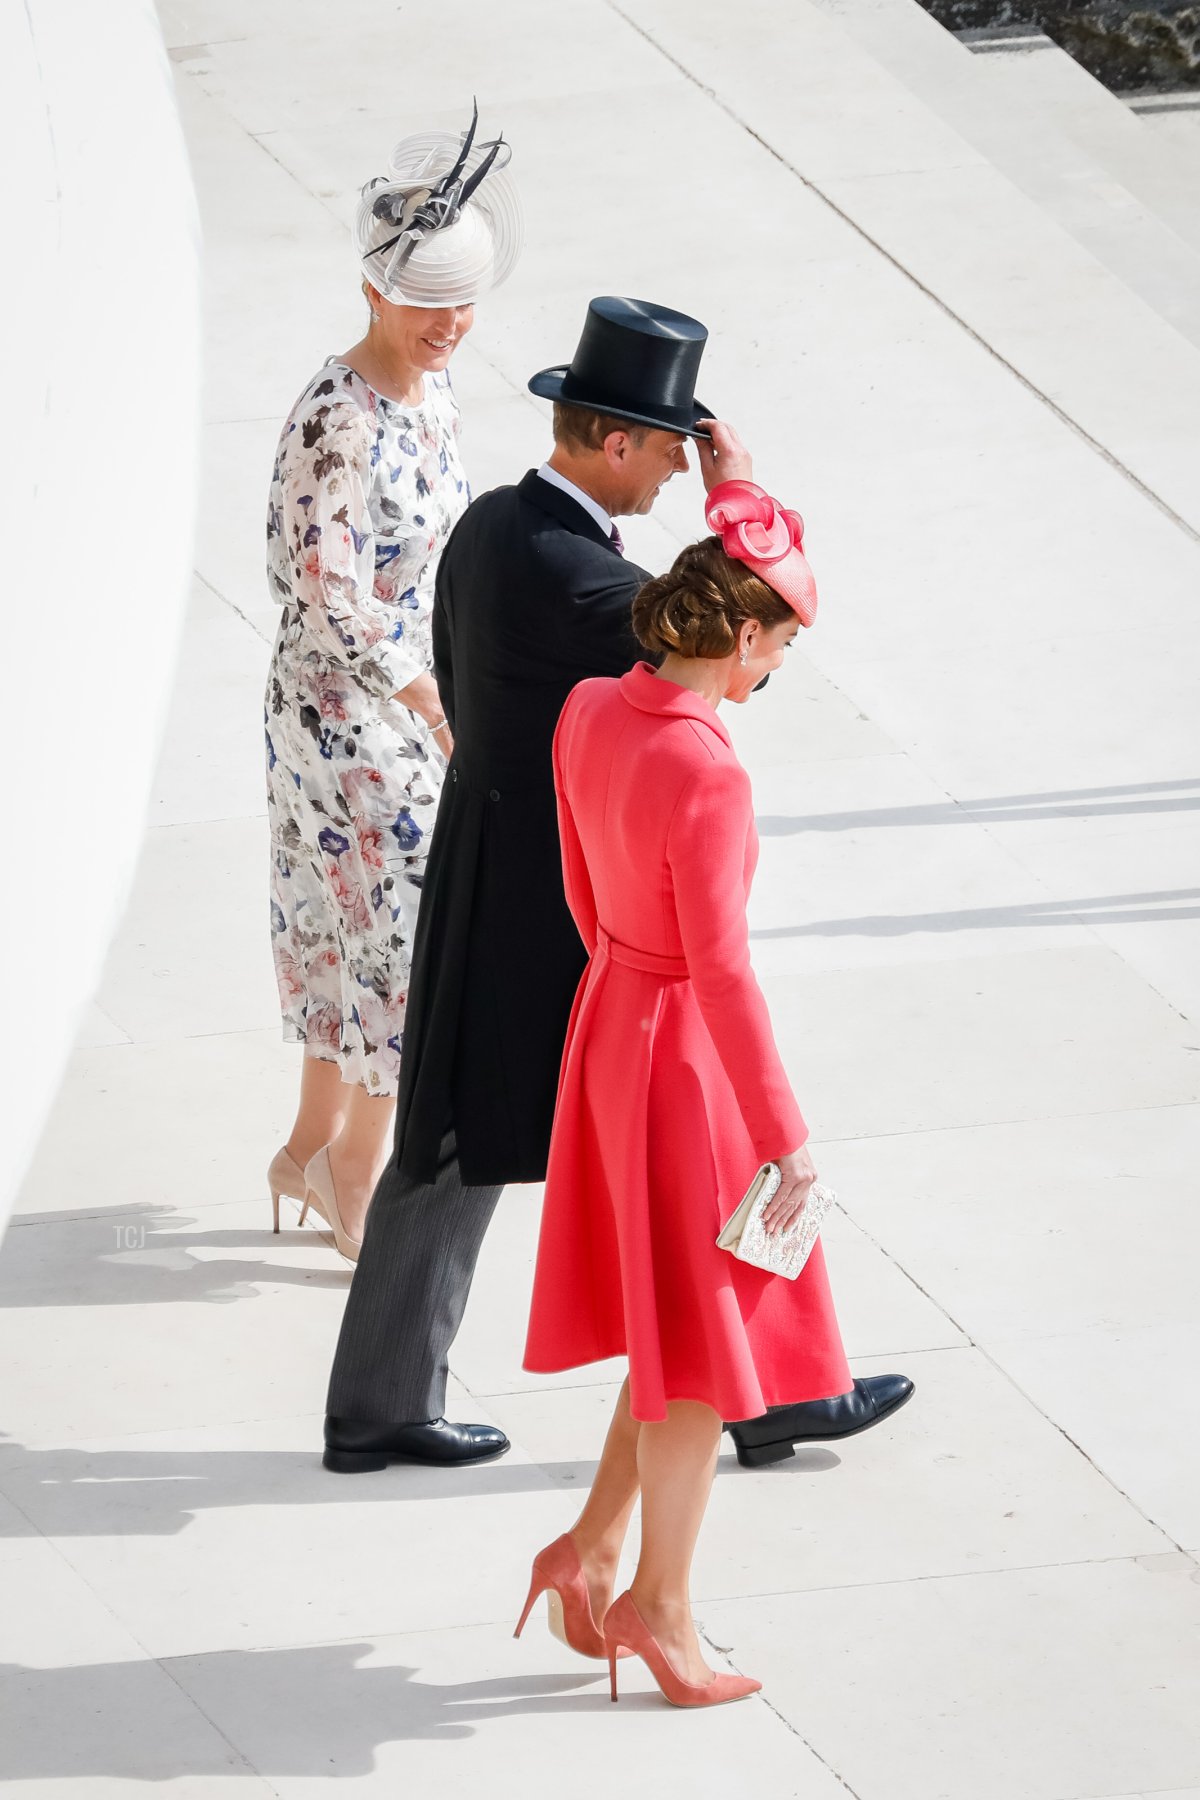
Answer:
(976, 920)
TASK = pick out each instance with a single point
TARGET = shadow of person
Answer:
(146, 1255)
(320, 1710)
(157, 1493)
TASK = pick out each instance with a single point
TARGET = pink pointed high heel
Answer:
(558, 1573)
(321, 1195)
(625, 1626)
(285, 1177)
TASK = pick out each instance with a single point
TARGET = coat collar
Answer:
(649, 693)
(560, 506)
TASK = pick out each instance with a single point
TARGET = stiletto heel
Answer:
(284, 1177)
(536, 1587)
(624, 1627)
(558, 1573)
(321, 1195)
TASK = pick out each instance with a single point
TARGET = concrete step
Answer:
(1108, 130)
(1014, 106)
(1175, 128)
(954, 224)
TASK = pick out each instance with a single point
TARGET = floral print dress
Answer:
(364, 494)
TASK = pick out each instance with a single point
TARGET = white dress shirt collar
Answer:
(585, 500)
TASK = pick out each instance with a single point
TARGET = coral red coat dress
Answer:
(672, 1091)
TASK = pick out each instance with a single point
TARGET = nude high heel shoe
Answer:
(558, 1573)
(285, 1177)
(624, 1625)
(321, 1195)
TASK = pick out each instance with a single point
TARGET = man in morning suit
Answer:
(533, 596)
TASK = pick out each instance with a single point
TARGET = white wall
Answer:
(100, 329)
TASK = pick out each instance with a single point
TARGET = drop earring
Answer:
(744, 658)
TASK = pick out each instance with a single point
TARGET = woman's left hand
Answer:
(787, 1203)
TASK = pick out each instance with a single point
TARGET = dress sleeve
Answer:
(331, 544)
(577, 883)
(706, 852)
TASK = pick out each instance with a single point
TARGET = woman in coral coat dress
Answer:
(672, 1093)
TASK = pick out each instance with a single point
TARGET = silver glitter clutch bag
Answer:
(785, 1253)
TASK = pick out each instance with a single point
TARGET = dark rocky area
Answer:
(1127, 46)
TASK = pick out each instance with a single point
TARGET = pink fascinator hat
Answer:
(757, 531)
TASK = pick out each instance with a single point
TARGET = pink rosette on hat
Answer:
(768, 538)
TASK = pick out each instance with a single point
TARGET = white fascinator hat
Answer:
(445, 224)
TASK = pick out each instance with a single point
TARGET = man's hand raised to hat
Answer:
(722, 455)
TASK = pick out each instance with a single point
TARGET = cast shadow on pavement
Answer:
(157, 1493)
(1155, 908)
(1066, 803)
(312, 1710)
(137, 1255)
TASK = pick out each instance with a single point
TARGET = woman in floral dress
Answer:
(367, 486)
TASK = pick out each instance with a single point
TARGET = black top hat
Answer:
(637, 361)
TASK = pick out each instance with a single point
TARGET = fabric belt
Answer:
(671, 968)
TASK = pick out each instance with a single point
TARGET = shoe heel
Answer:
(536, 1587)
(612, 1667)
(303, 1209)
(354, 1462)
(756, 1456)
(283, 1177)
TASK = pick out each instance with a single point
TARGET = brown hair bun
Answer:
(699, 605)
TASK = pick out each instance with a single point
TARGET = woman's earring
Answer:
(744, 658)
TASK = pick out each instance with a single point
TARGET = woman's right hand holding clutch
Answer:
(787, 1203)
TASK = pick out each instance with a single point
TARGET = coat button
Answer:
(495, 794)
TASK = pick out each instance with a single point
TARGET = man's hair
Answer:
(580, 428)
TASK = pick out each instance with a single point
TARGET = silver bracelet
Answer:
(439, 724)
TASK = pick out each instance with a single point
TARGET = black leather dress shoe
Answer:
(353, 1446)
(770, 1438)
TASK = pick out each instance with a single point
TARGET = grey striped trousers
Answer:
(409, 1293)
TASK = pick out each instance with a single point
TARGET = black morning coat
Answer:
(531, 598)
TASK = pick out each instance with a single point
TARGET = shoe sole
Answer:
(756, 1456)
(366, 1462)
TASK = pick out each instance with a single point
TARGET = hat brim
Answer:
(548, 385)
